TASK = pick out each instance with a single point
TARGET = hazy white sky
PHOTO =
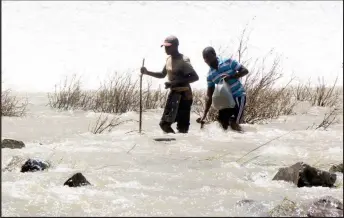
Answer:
(44, 41)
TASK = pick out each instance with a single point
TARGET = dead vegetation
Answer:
(330, 118)
(67, 95)
(105, 123)
(119, 93)
(11, 105)
(325, 96)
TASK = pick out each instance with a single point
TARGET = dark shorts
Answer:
(177, 109)
(232, 114)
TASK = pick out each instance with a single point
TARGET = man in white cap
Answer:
(180, 74)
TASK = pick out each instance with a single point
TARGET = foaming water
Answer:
(133, 175)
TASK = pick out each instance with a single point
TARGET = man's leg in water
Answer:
(183, 115)
(170, 112)
(224, 117)
(238, 113)
(166, 126)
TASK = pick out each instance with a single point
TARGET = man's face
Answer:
(170, 49)
(210, 59)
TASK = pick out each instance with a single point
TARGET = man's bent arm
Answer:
(241, 73)
(159, 75)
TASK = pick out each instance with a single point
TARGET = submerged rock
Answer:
(337, 168)
(12, 144)
(301, 174)
(322, 207)
(252, 207)
(15, 163)
(77, 180)
(326, 207)
(287, 208)
(33, 165)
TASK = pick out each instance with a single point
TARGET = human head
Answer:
(171, 44)
(209, 56)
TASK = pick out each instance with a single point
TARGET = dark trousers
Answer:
(177, 109)
(232, 114)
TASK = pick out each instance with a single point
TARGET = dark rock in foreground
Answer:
(323, 207)
(337, 168)
(12, 144)
(33, 165)
(287, 208)
(77, 180)
(326, 207)
(301, 174)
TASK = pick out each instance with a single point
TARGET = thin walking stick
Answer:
(140, 119)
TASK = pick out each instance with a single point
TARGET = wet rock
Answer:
(77, 180)
(337, 168)
(245, 202)
(252, 207)
(33, 165)
(15, 163)
(287, 208)
(326, 207)
(12, 144)
(301, 174)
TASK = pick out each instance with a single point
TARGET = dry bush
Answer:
(329, 119)
(119, 93)
(11, 106)
(105, 123)
(302, 92)
(264, 101)
(325, 96)
(153, 99)
(67, 95)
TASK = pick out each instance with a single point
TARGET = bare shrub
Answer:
(11, 105)
(118, 94)
(105, 123)
(303, 92)
(264, 100)
(325, 96)
(67, 95)
(329, 119)
(153, 99)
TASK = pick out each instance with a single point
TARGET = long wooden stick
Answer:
(140, 119)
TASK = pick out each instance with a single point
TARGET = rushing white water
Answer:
(132, 175)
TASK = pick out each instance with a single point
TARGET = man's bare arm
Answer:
(159, 75)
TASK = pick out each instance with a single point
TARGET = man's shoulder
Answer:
(184, 58)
